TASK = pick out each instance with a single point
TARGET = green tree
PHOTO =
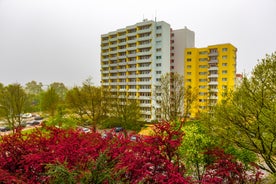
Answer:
(33, 90)
(246, 118)
(126, 113)
(175, 100)
(50, 101)
(86, 102)
(33, 87)
(60, 89)
(12, 103)
(192, 148)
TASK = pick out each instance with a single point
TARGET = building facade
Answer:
(134, 58)
(210, 72)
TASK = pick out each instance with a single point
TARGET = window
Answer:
(202, 87)
(158, 64)
(224, 79)
(202, 100)
(189, 59)
(189, 66)
(158, 79)
(158, 50)
(224, 49)
(224, 64)
(202, 73)
(202, 80)
(158, 27)
(158, 72)
(203, 52)
(189, 53)
(158, 57)
(158, 35)
(224, 87)
(189, 80)
(158, 42)
(224, 71)
(224, 57)
(189, 73)
(203, 59)
(203, 66)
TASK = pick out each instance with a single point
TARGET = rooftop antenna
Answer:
(155, 15)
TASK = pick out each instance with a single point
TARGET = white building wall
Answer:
(182, 39)
(112, 65)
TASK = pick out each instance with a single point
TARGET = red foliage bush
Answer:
(223, 168)
(24, 158)
(116, 158)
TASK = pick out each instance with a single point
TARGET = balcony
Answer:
(113, 39)
(112, 77)
(144, 38)
(105, 47)
(213, 54)
(131, 55)
(144, 83)
(144, 45)
(131, 34)
(113, 52)
(144, 68)
(143, 60)
(131, 41)
(121, 43)
(113, 64)
(121, 36)
(131, 62)
(213, 97)
(105, 71)
(213, 90)
(132, 76)
(122, 63)
(144, 53)
(213, 76)
(122, 77)
(122, 57)
(213, 61)
(213, 68)
(105, 78)
(148, 30)
(213, 83)
(105, 53)
(122, 50)
(122, 70)
(131, 69)
(113, 58)
(131, 83)
(105, 41)
(145, 105)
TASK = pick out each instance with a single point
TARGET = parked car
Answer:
(84, 129)
(4, 129)
(119, 129)
(38, 118)
(33, 123)
(27, 115)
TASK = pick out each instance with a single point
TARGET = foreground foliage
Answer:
(70, 156)
(246, 118)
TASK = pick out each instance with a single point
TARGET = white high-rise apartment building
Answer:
(134, 58)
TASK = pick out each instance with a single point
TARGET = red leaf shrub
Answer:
(49, 156)
(225, 169)
(26, 158)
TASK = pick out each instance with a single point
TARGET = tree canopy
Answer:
(247, 117)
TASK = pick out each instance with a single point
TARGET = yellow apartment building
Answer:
(209, 72)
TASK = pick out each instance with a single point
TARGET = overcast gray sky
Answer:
(59, 40)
